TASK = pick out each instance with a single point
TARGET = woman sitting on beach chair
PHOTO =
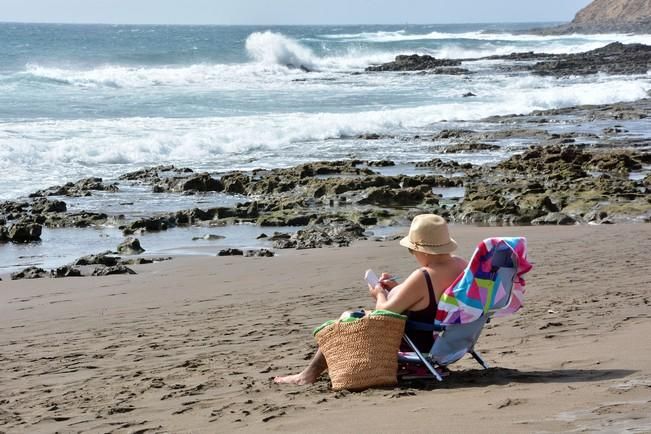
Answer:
(430, 244)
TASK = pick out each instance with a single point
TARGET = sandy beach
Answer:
(186, 195)
(191, 345)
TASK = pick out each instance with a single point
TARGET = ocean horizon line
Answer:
(550, 23)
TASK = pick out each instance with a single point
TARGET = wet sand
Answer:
(191, 345)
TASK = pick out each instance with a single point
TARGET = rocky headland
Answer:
(607, 16)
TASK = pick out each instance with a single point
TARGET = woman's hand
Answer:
(387, 281)
(376, 290)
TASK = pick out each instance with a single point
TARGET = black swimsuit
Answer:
(422, 339)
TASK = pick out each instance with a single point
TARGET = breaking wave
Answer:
(146, 140)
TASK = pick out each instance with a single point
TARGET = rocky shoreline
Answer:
(567, 178)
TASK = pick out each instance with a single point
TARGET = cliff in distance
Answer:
(608, 16)
(614, 11)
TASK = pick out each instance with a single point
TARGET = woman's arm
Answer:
(403, 297)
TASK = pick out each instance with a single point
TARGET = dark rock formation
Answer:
(29, 273)
(230, 252)
(150, 224)
(155, 173)
(414, 62)
(143, 261)
(554, 218)
(130, 246)
(23, 232)
(468, 147)
(105, 265)
(570, 162)
(446, 71)
(65, 271)
(193, 183)
(263, 253)
(13, 209)
(381, 163)
(80, 219)
(556, 184)
(328, 232)
(108, 271)
(169, 178)
(279, 181)
(452, 134)
(369, 136)
(614, 58)
(98, 259)
(201, 182)
(247, 210)
(83, 187)
(555, 161)
(43, 205)
(388, 197)
(443, 165)
(286, 219)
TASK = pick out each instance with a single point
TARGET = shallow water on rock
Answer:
(62, 246)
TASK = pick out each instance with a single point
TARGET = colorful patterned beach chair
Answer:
(490, 286)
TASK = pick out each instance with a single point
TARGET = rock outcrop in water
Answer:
(21, 232)
(414, 62)
(130, 246)
(168, 178)
(615, 58)
(608, 16)
(83, 187)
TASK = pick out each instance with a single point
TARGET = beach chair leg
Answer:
(423, 359)
(475, 355)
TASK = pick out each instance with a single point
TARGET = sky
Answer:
(236, 12)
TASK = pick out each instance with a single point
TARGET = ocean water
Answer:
(100, 100)
(80, 100)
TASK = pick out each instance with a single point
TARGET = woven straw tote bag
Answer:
(362, 352)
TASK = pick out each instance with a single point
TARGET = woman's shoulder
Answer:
(459, 262)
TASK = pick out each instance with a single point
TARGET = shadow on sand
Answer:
(504, 376)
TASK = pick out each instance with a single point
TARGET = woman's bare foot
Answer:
(314, 369)
(298, 379)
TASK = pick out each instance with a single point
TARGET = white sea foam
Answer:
(217, 76)
(40, 143)
(478, 44)
(270, 48)
(275, 60)
(403, 35)
(274, 48)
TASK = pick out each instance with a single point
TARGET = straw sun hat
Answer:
(429, 234)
